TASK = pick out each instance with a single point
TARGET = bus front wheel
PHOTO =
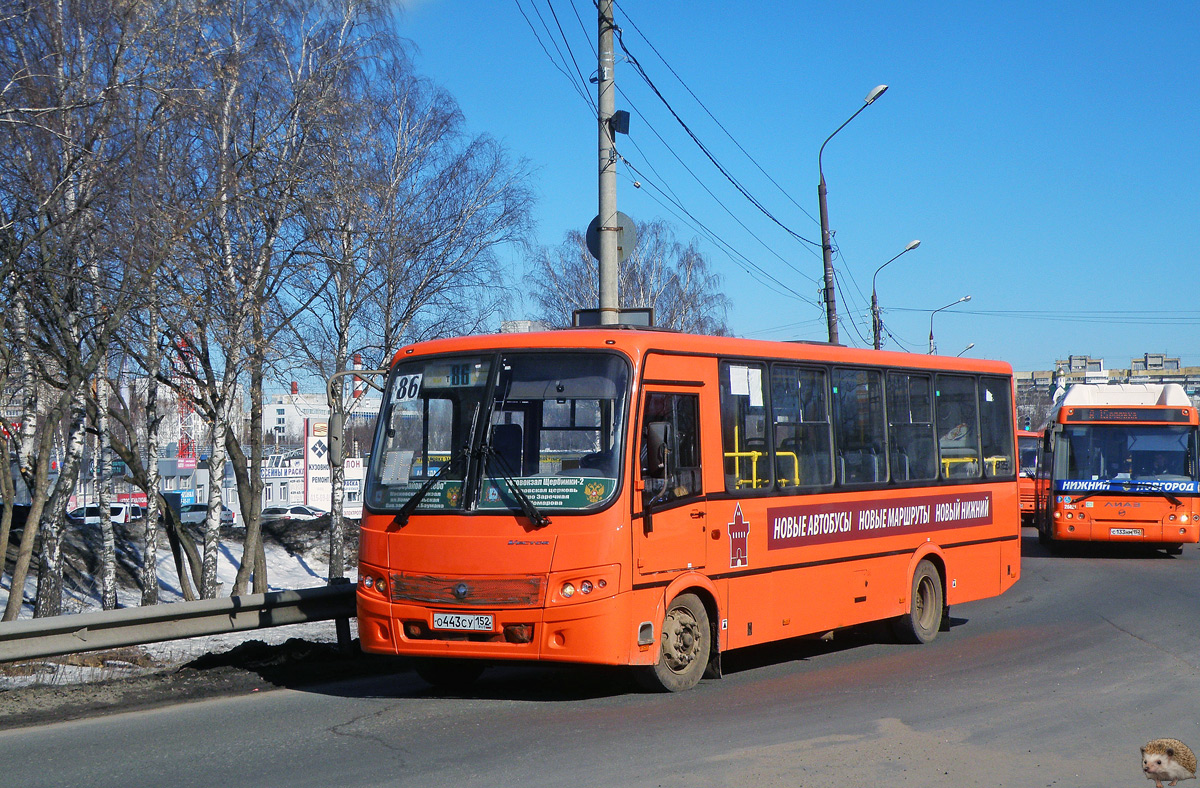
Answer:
(925, 606)
(685, 644)
(1044, 537)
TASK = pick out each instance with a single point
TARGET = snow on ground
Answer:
(285, 570)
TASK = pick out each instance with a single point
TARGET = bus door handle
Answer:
(696, 514)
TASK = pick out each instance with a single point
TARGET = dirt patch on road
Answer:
(252, 666)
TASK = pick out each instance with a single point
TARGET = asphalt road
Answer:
(1056, 683)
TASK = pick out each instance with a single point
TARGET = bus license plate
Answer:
(1125, 531)
(469, 623)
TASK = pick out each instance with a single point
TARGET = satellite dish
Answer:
(626, 237)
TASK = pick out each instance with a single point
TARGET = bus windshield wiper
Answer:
(528, 507)
(410, 506)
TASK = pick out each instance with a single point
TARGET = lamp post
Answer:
(932, 346)
(826, 247)
(964, 350)
(876, 324)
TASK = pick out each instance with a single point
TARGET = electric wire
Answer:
(567, 44)
(578, 89)
(704, 186)
(704, 149)
(844, 318)
(560, 63)
(759, 274)
(649, 43)
(587, 34)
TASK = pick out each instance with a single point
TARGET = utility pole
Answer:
(830, 296)
(608, 229)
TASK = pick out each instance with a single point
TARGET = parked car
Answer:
(293, 512)
(118, 513)
(84, 515)
(194, 513)
(126, 512)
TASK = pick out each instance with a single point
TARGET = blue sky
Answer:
(1045, 154)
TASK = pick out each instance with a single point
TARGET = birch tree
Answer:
(402, 235)
(672, 278)
(67, 73)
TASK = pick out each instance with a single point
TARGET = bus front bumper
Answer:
(1142, 532)
(595, 632)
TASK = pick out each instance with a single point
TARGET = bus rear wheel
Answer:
(685, 645)
(925, 607)
(448, 674)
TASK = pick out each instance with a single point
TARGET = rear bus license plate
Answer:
(469, 623)
(1125, 531)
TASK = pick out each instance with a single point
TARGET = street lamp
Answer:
(876, 324)
(964, 350)
(826, 247)
(932, 346)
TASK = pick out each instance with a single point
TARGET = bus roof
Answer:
(637, 343)
(1128, 394)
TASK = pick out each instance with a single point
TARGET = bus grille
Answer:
(479, 591)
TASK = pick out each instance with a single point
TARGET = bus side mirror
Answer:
(658, 437)
(658, 468)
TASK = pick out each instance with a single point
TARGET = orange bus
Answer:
(1123, 467)
(652, 499)
(1029, 452)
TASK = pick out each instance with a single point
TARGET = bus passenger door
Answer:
(673, 525)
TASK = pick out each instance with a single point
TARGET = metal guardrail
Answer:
(48, 637)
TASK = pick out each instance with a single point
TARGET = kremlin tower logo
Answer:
(739, 533)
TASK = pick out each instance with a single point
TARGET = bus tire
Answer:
(448, 674)
(685, 646)
(925, 607)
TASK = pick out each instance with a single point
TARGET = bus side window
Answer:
(800, 417)
(858, 424)
(995, 417)
(744, 428)
(670, 448)
(957, 426)
(910, 427)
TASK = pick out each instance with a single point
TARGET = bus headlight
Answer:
(585, 584)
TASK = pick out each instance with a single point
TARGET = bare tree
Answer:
(68, 73)
(191, 181)
(402, 233)
(659, 273)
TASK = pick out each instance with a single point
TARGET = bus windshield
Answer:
(1027, 451)
(480, 432)
(1130, 451)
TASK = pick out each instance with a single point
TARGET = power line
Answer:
(699, 181)
(708, 154)
(576, 85)
(567, 44)
(746, 263)
(712, 116)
